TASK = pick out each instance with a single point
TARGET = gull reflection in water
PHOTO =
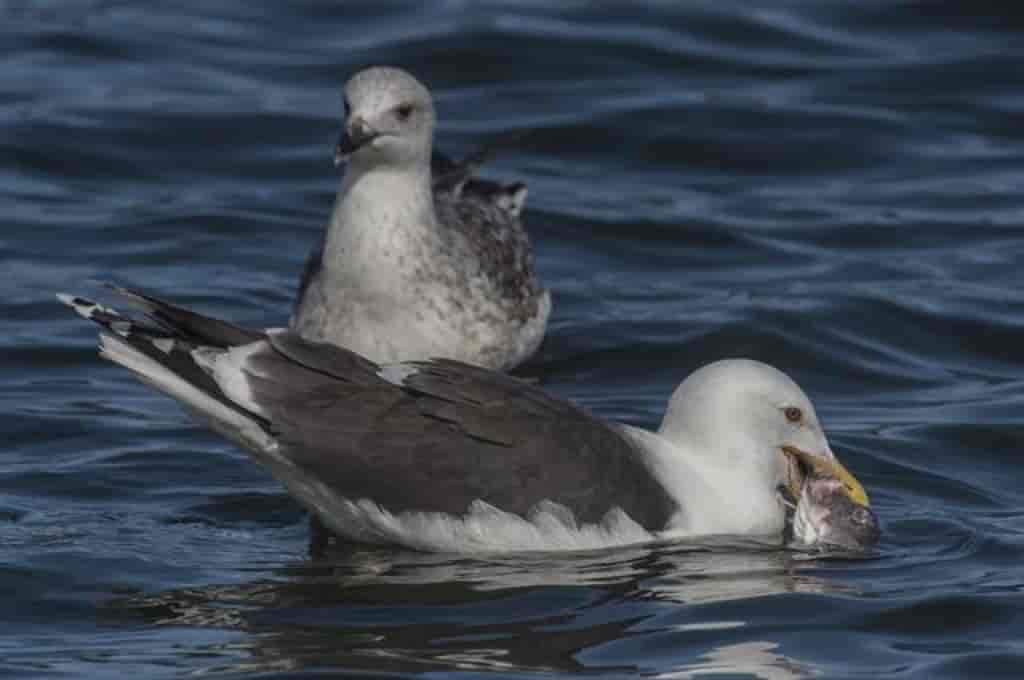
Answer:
(397, 611)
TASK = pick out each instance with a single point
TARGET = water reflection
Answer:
(384, 610)
(755, 659)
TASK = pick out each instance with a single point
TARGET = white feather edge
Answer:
(225, 420)
(228, 369)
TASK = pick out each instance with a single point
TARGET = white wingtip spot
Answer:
(69, 300)
(83, 307)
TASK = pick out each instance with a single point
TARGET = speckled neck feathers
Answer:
(407, 270)
(382, 219)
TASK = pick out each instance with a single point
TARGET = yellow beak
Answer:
(854, 490)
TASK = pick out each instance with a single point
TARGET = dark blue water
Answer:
(835, 187)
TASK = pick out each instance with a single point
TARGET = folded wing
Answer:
(430, 436)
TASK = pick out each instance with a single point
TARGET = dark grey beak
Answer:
(355, 135)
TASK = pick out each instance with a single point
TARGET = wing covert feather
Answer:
(452, 434)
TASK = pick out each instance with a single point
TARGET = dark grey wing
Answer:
(326, 359)
(187, 325)
(450, 435)
(445, 435)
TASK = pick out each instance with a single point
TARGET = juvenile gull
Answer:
(442, 455)
(414, 266)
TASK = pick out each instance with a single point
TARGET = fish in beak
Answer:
(803, 464)
(825, 516)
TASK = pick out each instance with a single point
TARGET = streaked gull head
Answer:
(389, 119)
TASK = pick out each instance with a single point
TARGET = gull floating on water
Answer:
(442, 455)
(415, 263)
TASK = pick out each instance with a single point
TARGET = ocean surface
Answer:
(835, 187)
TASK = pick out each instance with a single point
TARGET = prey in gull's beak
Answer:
(357, 133)
(825, 517)
(803, 464)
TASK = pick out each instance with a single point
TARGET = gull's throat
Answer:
(378, 214)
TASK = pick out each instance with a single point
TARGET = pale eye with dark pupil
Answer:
(404, 111)
(793, 414)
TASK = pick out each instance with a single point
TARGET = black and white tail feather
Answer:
(178, 359)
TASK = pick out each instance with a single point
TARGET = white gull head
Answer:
(389, 121)
(739, 432)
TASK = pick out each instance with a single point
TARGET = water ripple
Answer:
(832, 188)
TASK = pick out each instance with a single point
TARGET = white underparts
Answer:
(484, 528)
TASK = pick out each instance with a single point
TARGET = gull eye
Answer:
(404, 111)
(793, 414)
